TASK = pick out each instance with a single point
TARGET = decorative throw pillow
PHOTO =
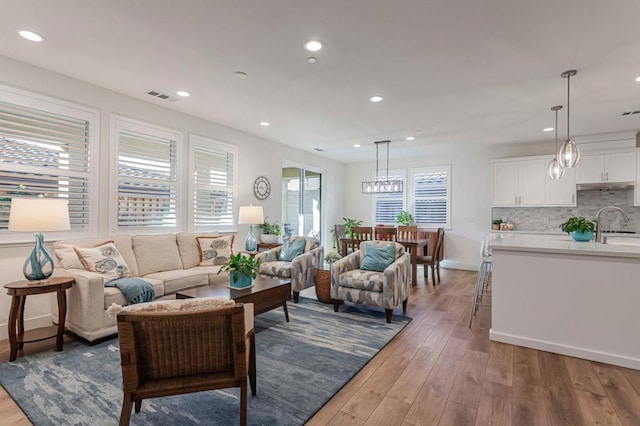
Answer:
(378, 258)
(104, 259)
(293, 250)
(215, 250)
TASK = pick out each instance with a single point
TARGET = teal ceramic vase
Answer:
(582, 236)
(237, 280)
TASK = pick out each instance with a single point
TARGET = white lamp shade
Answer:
(250, 215)
(39, 215)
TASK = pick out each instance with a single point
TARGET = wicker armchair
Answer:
(301, 270)
(384, 289)
(190, 351)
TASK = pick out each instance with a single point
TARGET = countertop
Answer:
(561, 244)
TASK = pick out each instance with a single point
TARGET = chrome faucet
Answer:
(598, 229)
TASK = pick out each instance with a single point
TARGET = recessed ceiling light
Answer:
(376, 98)
(312, 60)
(638, 79)
(357, 145)
(313, 45)
(183, 93)
(264, 123)
(410, 138)
(30, 35)
(548, 129)
(240, 74)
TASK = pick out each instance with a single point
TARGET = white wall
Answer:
(257, 156)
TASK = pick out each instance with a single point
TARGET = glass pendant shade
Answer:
(555, 170)
(569, 154)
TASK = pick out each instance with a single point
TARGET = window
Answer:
(212, 184)
(387, 206)
(47, 148)
(301, 201)
(146, 163)
(430, 196)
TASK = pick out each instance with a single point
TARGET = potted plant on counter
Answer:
(579, 228)
(495, 224)
(271, 232)
(242, 270)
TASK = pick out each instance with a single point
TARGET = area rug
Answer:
(300, 366)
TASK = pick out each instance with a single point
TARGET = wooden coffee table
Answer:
(267, 293)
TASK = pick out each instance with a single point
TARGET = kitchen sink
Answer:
(622, 241)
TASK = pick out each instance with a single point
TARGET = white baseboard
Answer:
(452, 264)
(573, 351)
(29, 324)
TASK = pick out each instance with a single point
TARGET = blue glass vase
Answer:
(39, 264)
(250, 243)
(582, 236)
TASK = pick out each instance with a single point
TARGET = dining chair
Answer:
(431, 259)
(408, 232)
(359, 234)
(340, 231)
(386, 233)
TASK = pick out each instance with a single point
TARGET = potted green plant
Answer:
(404, 218)
(271, 232)
(495, 224)
(579, 228)
(332, 257)
(242, 270)
(348, 224)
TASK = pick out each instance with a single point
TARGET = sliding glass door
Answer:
(301, 203)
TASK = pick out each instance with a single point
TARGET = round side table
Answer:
(19, 290)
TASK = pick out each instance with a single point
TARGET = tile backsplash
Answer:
(589, 202)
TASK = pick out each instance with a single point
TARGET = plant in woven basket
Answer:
(332, 257)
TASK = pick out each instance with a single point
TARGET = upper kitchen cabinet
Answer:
(519, 183)
(562, 192)
(611, 168)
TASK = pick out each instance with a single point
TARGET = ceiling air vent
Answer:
(162, 96)
(631, 112)
(318, 149)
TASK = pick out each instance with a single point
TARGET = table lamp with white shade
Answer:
(38, 215)
(250, 215)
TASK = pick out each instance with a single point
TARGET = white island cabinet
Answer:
(580, 299)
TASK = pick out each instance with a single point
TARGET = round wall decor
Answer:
(262, 188)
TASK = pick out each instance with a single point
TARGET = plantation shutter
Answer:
(146, 180)
(44, 153)
(431, 196)
(213, 187)
(387, 206)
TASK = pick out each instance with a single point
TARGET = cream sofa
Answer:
(170, 262)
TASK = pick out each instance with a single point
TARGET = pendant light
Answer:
(555, 169)
(382, 186)
(569, 153)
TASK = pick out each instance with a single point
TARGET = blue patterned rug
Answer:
(300, 366)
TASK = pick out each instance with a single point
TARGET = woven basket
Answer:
(323, 285)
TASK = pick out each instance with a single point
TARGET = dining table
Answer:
(412, 245)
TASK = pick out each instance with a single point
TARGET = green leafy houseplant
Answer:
(348, 224)
(404, 218)
(578, 223)
(270, 228)
(240, 266)
(331, 257)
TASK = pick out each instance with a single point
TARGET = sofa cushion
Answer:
(68, 258)
(362, 280)
(276, 269)
(156, 253)
(188, 247)
(378, 258)
(292, 250)
(180, 279)
(212, 271)
(113, 295)
(104, 259)
(215, 250)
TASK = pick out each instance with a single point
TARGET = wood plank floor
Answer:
(438, 371)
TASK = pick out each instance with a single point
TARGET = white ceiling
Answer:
(462, 71)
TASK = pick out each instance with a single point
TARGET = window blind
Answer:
(146, 180)
(388, 206)
(431, 197)
(44, 153)
(213, 187)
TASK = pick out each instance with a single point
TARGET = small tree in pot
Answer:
(404, 218)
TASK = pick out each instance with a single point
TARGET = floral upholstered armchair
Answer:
(385, 289)
(301, 269)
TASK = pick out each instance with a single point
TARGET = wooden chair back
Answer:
(386, 233)
(340, 232)
(408, 232)
(360, 234)
(439, 249)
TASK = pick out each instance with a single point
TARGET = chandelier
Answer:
(569, 153)
(555, 169)
(382, 186)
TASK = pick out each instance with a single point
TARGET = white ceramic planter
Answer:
(270, 239)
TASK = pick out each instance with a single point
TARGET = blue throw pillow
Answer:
(292, 250)
(378, 258)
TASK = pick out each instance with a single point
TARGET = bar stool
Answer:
(484, 279)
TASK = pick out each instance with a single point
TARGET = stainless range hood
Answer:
(605, 185)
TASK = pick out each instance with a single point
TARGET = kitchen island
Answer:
(579, 299)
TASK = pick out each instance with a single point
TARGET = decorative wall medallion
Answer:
(262, 188)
